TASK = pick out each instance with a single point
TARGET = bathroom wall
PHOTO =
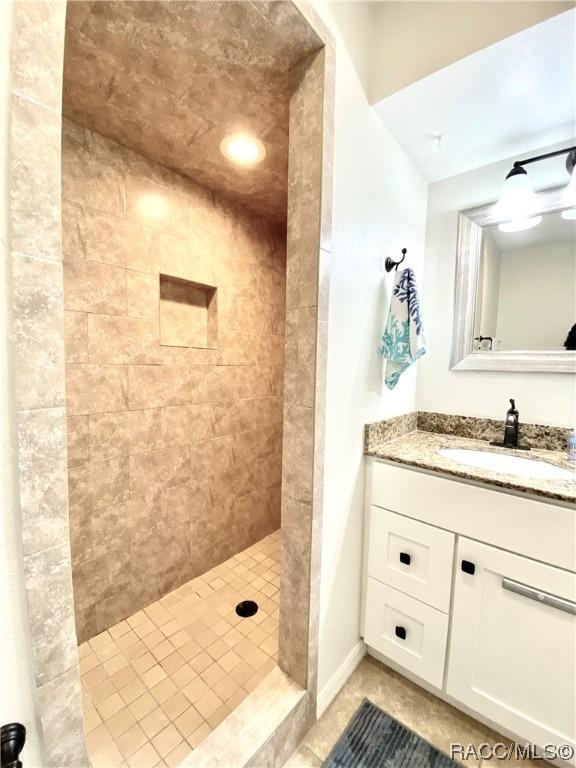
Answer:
(18, 689)
(174, 451)
(542, 276)
(379, 207)
(541, 397)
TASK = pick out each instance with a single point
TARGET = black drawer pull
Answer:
(468, 567)
(405, 558)
(400, 632)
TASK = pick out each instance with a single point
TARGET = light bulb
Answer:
(243, 149)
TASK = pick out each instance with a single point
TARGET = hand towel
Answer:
(403, 341)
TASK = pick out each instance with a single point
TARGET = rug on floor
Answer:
(373, 739)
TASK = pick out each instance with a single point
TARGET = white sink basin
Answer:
(509, 465)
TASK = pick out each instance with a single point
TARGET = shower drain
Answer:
(247, 608)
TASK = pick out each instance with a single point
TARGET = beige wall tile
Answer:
(114, 240)
(109, 435)
(76, 337)
(145, 430)
(96, 388)
(73, 231)
(92, 170)
(35, 187)
(142, 294)
(43, 486)
(159, 469)
(37, 51)
(38, 332)
(155, 386)
(78, 440)
(93, 287)
(51, 621)
(98, 484)
(123, 340)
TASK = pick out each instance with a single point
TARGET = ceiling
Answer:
(171, 79)
(511, 98)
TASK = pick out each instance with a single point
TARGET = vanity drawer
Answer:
(412, 557)
(406, 631)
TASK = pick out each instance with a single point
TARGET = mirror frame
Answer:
(468, 253)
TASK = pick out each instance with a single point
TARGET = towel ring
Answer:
(389, 264)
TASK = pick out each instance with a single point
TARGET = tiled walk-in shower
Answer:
(160, 681)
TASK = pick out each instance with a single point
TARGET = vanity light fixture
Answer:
(518, 203)
(243, 149)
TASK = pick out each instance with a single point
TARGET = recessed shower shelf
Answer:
(188, 313)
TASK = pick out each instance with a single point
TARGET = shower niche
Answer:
(188, 313)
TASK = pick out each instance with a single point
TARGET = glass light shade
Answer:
(243, 149)
(517, 200)
(517, 225)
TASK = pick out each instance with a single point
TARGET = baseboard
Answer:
(332, 687)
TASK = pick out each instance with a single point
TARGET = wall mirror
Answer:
(515, 296)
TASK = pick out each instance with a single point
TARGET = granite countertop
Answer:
(419, 448)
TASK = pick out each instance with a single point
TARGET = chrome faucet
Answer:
(511, 427)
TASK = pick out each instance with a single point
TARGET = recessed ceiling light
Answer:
(243, 149)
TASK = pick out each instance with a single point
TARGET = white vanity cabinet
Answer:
(472, 591)
(513, 643)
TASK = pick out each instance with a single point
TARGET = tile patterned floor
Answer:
(430, 717)
(159, 682)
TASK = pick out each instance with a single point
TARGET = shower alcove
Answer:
(193, 297)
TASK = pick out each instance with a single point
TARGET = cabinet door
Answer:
(512, 654)
(412, 557)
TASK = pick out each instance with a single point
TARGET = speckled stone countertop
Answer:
(402, 440)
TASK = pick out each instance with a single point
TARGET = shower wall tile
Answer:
(157, 470)
(141, 294)
(174, 452)
(43, 488)
(35, 191)
(96, 388)
(157, 386)
(78, 440)
(123, 340)
(36, 47)
(93, 287)
(38, 332)
(76, 337)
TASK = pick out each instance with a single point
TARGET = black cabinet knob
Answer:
(405, 558)
(12, 738)
(468, 567)
(400, 632)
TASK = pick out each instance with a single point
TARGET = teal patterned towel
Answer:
(403, 341)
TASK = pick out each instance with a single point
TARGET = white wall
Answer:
(16, 687)
(379, 207)
(540, 397)
(537, 297)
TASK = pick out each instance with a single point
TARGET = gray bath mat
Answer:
(373, 739)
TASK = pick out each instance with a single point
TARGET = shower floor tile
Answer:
(156, 684)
